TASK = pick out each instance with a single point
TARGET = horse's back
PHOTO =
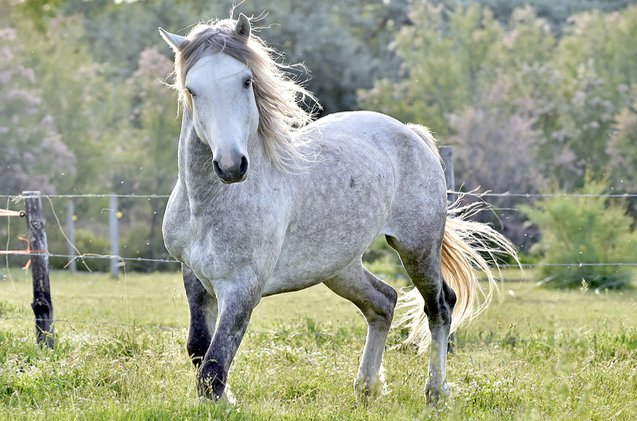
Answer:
(403, 147)
(418, 207)
(412, 158)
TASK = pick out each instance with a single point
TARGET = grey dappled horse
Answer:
(267, 202)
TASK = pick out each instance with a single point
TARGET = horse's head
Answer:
(217, 87)
(240, 98)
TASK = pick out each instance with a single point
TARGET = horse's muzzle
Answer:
(232, 174)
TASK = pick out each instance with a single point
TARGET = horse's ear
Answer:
(175, 41)
(243, 27)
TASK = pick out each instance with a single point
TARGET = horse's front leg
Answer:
(236, 302)
(203, 316)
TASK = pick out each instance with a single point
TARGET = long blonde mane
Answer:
(280, 100)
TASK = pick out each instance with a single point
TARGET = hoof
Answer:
(227, 397)
(211, 382)
(369, 389)
(436, 392)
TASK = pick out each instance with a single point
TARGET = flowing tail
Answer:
(466, 248)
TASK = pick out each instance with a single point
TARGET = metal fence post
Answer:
(42, 305)
(446, 153)
(114, 230)
(70, 229)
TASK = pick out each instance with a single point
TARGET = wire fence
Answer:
(90, 196)
(82, 257)
(123, 259)
(482, 194)
(89, 256)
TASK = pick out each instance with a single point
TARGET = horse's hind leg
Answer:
(376, 300)
(424, 269)
(203, 316)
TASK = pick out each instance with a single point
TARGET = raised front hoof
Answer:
(369, 389)
(435, 393)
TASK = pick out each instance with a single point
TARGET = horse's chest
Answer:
(201, 246)
(175, 228)
(222, 244)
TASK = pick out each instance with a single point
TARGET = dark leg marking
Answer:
(234, 316)
(203, 312)
(424, 268)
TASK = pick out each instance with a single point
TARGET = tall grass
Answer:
(120, 354)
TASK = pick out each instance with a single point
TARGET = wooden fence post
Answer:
(446, 153)
(114, 230)
(42, 304)
(70, 229)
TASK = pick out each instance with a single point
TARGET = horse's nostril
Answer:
(215, 166)
(243, 168)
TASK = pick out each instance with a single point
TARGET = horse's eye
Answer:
(247, 82)
(190, 91)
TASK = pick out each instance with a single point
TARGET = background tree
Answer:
(622, 147)
(147, 162)
(525, 108)
(533, 94)
(82, 101)
(33, 153)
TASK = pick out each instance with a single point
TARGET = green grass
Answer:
(120, 354)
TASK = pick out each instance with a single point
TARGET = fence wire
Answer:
(484, 194)
(79, 256)
(87, 256)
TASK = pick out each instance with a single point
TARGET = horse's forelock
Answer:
(203, 39)
(278, 97)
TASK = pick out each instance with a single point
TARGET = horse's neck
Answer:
(197, 171)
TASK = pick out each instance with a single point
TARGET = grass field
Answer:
(536, 354)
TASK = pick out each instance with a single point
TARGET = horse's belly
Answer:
(334, 224)
(296, 274)
(307, 261)
(286, 283)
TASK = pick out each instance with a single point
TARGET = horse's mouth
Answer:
(233, 180)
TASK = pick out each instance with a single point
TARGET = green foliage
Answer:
(586, 230)
(34, 155)
(524, 105)
(555, 12)
(462, 65)
(621, 146)
(529, 92)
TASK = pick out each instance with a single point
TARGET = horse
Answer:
(268, 200)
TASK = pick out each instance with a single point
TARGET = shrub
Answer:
(584, 230)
